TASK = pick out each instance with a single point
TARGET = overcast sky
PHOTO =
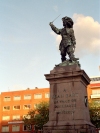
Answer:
(29, 48)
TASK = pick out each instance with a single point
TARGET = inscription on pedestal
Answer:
(65, 102)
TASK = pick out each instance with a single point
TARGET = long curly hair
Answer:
(68, 21)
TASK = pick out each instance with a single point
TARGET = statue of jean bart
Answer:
(68, 42)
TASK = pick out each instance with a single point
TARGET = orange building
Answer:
(94, 88)
(15, 105)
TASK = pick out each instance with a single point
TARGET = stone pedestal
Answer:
(68, 112)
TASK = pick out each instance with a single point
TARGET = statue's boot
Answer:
(75, 59)
(72, 57)
(63, 59)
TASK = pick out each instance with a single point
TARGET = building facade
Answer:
(93, 88)
(16, 104)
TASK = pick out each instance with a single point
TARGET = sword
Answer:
(55, 19)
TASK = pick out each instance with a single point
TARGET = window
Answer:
(27, 97)
(27, 116)
(37, 96)
(5, 118)
(16, 117)
(6, 108)
(15, 128)
(16, 107)
(95, 92)
(7, 98)
(27, 106)
(5, 128)
(17, 97)
(25, 128)
(47, 95)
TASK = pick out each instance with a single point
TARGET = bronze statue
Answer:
(68, 42)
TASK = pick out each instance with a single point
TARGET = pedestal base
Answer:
(70, 129)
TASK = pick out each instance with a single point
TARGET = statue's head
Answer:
(67, 22)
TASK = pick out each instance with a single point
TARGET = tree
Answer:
(38, 116)
(94, 108)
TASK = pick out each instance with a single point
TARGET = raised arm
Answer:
(56, 30)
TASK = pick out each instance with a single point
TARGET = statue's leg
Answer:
(63, 54)
(70, 52)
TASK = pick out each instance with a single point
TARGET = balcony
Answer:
(15, 122)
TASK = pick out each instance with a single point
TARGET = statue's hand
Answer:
(51, 23)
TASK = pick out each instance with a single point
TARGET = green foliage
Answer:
(42, 115)
(94, 108)
(38, 117)
(29, 119)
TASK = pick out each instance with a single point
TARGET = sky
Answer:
(29, 49)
